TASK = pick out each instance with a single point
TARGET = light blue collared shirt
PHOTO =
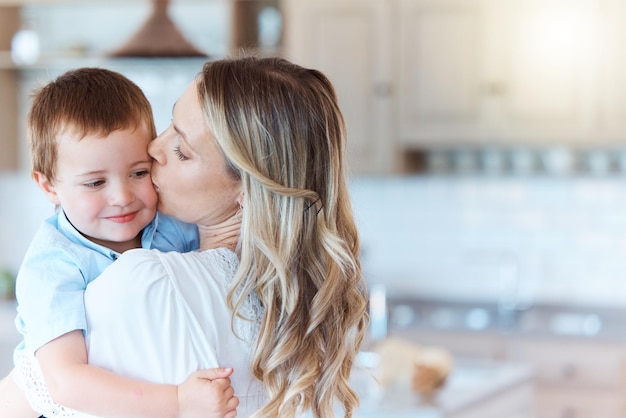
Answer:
(59, 264)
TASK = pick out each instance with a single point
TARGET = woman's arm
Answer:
(13, 402)
(77, 385)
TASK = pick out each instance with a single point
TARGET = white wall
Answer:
(22, 209)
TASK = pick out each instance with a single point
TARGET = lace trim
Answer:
(248, 322)
(30, 379)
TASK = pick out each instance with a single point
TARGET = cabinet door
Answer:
(498, 70)
(575, 378)
(555, 402)
(575, 363)
(613, 65)
(548, 68)
(442, 52)
(514, 402)
(9, 82)
(349, 42)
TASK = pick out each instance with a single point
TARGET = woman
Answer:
(255, 157)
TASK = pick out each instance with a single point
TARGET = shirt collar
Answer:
(72, 233)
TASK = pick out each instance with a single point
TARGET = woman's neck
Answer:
(225, 234)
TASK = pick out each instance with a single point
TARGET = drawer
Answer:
(517, 402)
(572, 363)
(578, 403)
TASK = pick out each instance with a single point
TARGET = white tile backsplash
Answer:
(553, 240)
(562, 239)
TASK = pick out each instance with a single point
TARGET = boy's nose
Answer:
(122, 195)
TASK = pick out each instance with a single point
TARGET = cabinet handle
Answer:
(569, 413)
(382, 89)
(569, 372)
(495, 89)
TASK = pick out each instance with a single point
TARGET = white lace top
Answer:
(160, 317)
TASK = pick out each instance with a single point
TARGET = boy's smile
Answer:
(103, 185)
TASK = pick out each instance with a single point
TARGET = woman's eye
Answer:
(179, 154)
(94, 184)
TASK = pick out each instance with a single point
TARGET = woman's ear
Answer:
(240, 199)
(46, 185)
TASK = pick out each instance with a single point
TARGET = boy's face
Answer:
(104, 186)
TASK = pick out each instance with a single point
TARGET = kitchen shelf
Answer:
(73, 61)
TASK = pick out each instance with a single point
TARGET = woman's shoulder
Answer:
(146, 266)
(213, 260)
(139, 256)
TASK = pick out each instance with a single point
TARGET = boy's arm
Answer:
(13, 402)
(77, 385)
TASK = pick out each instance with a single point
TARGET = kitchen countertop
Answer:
(470, 384)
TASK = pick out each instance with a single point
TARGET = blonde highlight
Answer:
(281, 129)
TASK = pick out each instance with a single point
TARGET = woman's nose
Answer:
(155, 148)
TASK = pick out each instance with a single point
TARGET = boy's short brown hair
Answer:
(89, 101)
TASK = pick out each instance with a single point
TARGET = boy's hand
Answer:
(208, 394)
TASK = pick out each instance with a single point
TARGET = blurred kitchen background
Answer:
(487, 157)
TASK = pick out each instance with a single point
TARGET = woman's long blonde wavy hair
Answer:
(281, 131)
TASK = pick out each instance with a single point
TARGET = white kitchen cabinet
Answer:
(513, 402)
(349, 41)
(440, 64)
(613, 61)
(576, 378)
(556, 402)
(496, 70)
(548, 68)
(463, 72)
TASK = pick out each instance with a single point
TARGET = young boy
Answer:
(89, 132)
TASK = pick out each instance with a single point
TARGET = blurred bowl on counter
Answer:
(402, 365)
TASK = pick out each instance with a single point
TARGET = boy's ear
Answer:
(46, 185)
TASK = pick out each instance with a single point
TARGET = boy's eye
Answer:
(141, 173)
(94, 184)
(179, 153)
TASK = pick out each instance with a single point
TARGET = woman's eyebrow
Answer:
(174, 126)
(178, 130)
(183, 138)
